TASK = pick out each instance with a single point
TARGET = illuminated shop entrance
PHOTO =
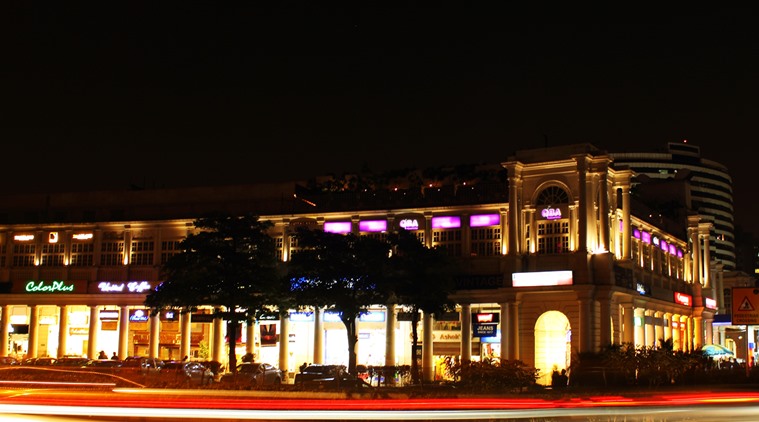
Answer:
(553, 350)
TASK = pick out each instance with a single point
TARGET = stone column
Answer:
(466, 332)
(5, 319)
(318, 336)
(155, 336)
(284, 361)
(63, 334)
(390, 335)
(185, 341)
(34, 328)
(217, 339)
(94, 332)
(250, 335)
(428, 373)
(124, 332)
(628, 323)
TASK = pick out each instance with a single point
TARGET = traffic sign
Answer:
(745, 306)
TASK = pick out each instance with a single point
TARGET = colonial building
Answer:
(559, 259)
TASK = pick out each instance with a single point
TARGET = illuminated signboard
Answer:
(645, 237)
(710, 303)
(55, 286)
(636, 233)
(664, 246)
(338, 226)
(672, 249)
(542, 278)
(23, 237)
(642, 289)
(170, 315)
(484, 220)
(683, 299)
(109, 315)
(52, 237)
(409, 224)
(81, 236)
(123, 286)
(446, 222)
(372, 226)
(551, 213)
(301, 316)
(486, 317)
(372, 316)
(139, 315)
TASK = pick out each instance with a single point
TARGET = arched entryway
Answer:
(553, 339)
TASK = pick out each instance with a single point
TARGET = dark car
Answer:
(42, 361)
(186, 373)
(72, 361)
(9, 360)
(319, 372)
(255, 374)
(143, 365)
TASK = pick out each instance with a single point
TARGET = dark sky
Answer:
(198, 93)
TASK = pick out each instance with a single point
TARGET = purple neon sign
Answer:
(372, 226)
(483, 220)
(645, 237)
(446, 222)
(338, 226)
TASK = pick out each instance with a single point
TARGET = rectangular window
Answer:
(553, 237)
(23, 255)
(82, 254)
(448, 240)
(169, 248)
(142, 253)
(52, 254)
(112, 253)
(486, 241)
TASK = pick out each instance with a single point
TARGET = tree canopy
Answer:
(230, 264)
(339, 273)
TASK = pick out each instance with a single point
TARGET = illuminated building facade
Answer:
(556, 264)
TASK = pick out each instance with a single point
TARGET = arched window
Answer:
(552, 222)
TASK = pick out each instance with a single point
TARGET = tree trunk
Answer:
(232, 336)
(350, 328)
(414, 343)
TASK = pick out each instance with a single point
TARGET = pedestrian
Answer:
(115, 356)
(102, 355)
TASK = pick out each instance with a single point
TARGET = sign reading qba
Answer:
(268, 334)
(410, 222)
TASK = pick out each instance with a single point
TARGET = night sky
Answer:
(202, 93)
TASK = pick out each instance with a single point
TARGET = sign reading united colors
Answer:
(745, 306)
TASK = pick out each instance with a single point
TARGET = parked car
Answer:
(42, 361)
(145, 365)
(318, 372)
(9, 360)
(187, 373)
(255, 374)
(73, 361)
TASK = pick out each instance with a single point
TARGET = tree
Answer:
(420, 279)
(230, 264)
(339, 273)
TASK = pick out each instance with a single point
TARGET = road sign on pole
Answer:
(745, 306)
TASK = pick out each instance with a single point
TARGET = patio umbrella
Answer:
(716, 350)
